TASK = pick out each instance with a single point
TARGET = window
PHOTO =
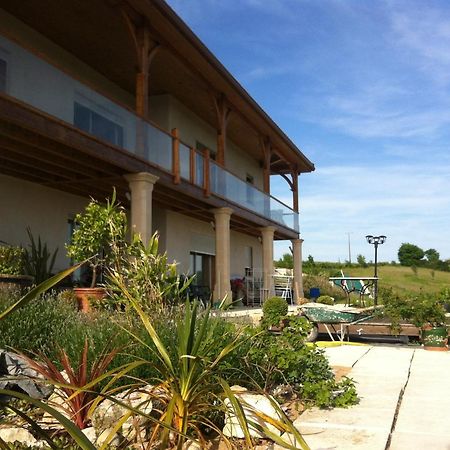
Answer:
(92, 122)
(3, 71)
(202, 266)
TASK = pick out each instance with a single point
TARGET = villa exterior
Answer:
(120, 93)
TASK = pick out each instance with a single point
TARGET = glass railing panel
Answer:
(159, 148)
(185, 161)
(199, 169)
(284, 215)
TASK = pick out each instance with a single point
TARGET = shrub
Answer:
(11, 260)
(272, 360)
(274, 309)
(326, 300)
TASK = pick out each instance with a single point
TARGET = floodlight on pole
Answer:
(376, 241)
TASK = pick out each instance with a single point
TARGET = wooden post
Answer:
(175, 156)
(267, 153)
(295, 190)
(192, 165)
(206, 180)
(222, 114)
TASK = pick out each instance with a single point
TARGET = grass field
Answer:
(403, 280)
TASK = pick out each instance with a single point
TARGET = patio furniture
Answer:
(283, 287)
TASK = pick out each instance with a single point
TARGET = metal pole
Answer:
(349, 251)
(376, 274)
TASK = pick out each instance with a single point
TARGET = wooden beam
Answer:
(266, 147)
(176, 156)
(192, 165)
(146, 49)
(223, 112)
(295, 190)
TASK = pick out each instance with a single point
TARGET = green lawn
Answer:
(402, 279)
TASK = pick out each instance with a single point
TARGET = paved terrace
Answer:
(405, 402)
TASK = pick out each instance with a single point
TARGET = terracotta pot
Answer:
(84, 296)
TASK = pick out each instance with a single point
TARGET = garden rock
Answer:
(16, 373)
(57, 401)
(108, 412)
(101, 439)
(90, 434)
(15, 434)
(252, 404)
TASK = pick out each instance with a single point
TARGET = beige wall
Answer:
(184, 234)
(46, 211)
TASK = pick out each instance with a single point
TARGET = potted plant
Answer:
(98, 229)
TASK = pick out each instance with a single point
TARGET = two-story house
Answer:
(96, 94)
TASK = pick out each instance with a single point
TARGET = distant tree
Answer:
(432, 257)
(311, 260)
(410, 255)
(285, 262)
(361, 261)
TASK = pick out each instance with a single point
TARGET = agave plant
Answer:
(72, 383)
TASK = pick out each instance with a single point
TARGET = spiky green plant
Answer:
(38, 261)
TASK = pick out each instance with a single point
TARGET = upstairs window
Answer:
(250, 190)
(3, 69)
(94, 123)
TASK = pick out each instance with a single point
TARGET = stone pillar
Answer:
(297, 285)
(141, 187)
(268, 269)
(222, 288)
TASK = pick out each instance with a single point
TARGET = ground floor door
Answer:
(202, 265)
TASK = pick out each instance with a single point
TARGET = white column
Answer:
(222, 288)
(267, 251)
(298, 276)
(141, 187)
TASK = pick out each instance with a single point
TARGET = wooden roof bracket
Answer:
(223, 112)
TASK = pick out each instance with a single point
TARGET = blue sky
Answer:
(363, 88)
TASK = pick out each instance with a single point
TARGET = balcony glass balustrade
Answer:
(40, 84)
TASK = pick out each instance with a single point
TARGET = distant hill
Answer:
(402, 279)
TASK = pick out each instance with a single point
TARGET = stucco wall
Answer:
(184, 234)
(46, 211)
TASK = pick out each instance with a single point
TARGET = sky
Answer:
(362, 87)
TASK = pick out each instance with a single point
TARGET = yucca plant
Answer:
(190, 384)
(77, 400)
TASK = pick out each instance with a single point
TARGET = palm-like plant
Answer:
(76, 398)
(191, 385)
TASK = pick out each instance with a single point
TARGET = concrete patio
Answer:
(405, 402)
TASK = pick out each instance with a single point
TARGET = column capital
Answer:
(222, 211)
(141, 176)
(297, 241)
(269, 229)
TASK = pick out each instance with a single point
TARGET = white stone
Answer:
(191, 445)
(57, 401)
(90, 434)
(108, 412)
(101, 439)
(252, 404)
(15, 434)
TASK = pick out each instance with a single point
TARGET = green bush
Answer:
(11, 260)
(326, 300)
(271, 360)
(274, 309)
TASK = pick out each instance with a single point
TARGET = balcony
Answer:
(48, 89)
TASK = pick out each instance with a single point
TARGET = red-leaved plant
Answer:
(78, 400)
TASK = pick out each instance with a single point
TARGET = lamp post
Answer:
(376, 241)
